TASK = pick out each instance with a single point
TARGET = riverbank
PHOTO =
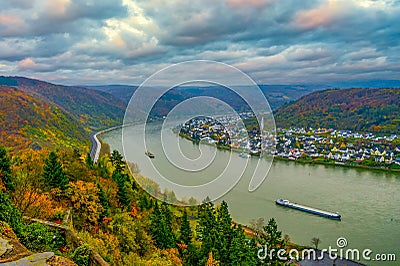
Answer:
(333, 164)
(95, 152)
(299, 160)
(95, 138)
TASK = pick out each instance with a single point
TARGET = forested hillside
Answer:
(28, 122)
(94, 109)
(115, 217)
(358, 109)
(52, 178)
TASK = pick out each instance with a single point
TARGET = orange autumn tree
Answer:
(172, 255)
(29, 196)
(211, 261)
(38, 205)
(110, 190)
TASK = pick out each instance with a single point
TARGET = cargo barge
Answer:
(286, 203)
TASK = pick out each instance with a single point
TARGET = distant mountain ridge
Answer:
(367, 84)
(358, 109)
(276, 95)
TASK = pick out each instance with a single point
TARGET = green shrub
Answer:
(81, 255)
(395, 166)
(9, 213)
(40, 238)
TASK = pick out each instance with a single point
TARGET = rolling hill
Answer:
(94, 109)
(37, 114)
(122, 92)
(26, 121)
(358, 109)
(276, 95)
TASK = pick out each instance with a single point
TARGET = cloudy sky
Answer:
(273, 41)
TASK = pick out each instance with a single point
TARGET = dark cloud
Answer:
(200, 22)
(108, 41)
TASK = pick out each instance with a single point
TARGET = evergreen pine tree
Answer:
(53, 173)
(192, 256)
(225, 233)
(236, 250)
(241, 250)
(117, 161)
(104, 202)
(155, 225)
(167, 214)
(207, 231)
(161, 230)
(89, 161)
(121, 180)
(5, 170)
(227, 244)
(170, 240)
(272, 237)
(144, 202)
(185, 230)
(189, 255)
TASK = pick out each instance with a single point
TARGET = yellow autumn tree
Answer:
(211, 261)
(85, 202)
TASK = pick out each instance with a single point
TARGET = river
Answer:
(367, 200)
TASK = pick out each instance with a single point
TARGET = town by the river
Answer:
(368, 201)
(326, 146)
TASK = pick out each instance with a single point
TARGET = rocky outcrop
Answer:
(13, 253)
(5, 246)
(37, 259)
(10, 247)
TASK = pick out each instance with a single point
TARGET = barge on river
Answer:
(150, 154)
(286, 203)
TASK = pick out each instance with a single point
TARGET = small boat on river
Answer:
(150, 154)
